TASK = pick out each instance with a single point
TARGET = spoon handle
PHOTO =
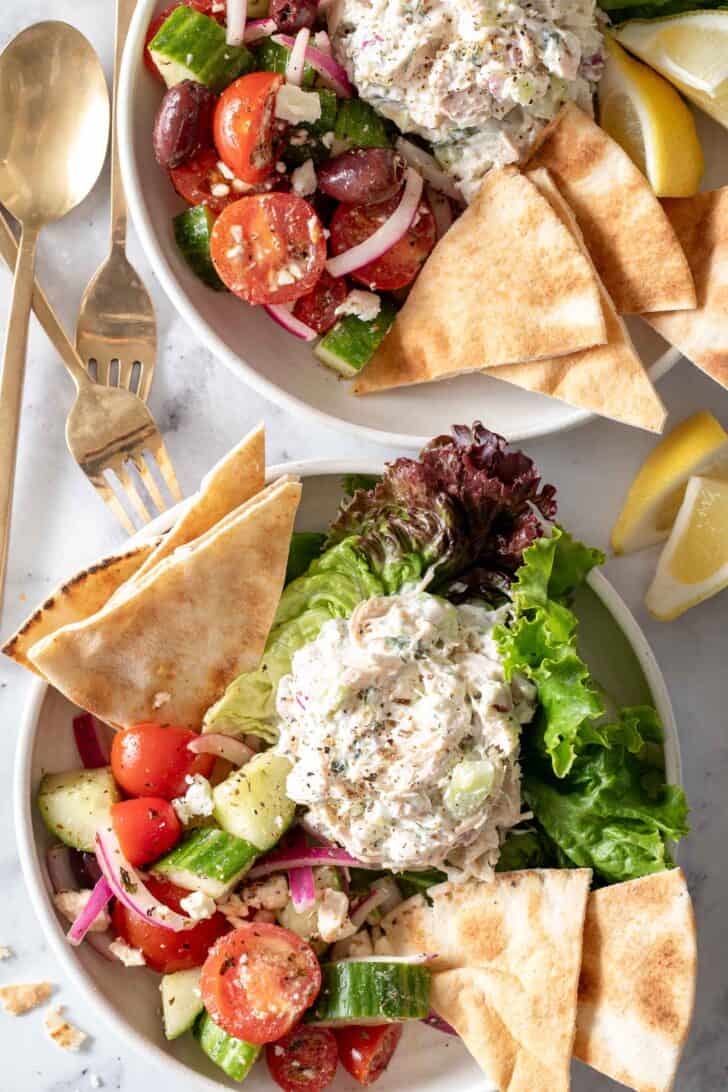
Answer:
(11, 384)
(124, 12)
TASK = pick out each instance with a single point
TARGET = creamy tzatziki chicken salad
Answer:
(291, 806)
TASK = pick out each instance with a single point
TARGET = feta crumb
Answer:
(225, 170)
(281, 167)
(71, 903)
(130, 957)
(19, 999)
(268, 894)
(327, 139)
(297, 106)
(198, 906)
(365, 305)
(241, 187)
(220, 189)
(284, 277)
(234, 252)
(303, 179)
(61, 1032)
(333, 917)
(196, 801)
(161, 698)
(236, 233)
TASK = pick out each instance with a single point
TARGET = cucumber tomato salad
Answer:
(421, 716)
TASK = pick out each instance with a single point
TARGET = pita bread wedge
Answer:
(637, 981)
(633, 245)
(507, 969)
(701, 225)
(169, 647)
(506, 283)
(608, 379)
(78, 598)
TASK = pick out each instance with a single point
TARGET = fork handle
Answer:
(11, 383)
(124, 12)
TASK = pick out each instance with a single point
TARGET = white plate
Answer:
(285, 370)
(129, 999)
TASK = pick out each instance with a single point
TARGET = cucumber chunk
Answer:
(371, 993)
(207, 860)
(181, 1001)
(75, 804)
(235, 1057)
(192, 230)
(351, 344)
(305, 141)
(252, 804)
(358, 125)
(192, 46)
(271, 56)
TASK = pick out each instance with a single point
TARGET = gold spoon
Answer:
(54, 130)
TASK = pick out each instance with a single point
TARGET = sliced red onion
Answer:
(429, 168)
(322, 42)
(283, 859)
(280, 313)
(60, 870)
(297, 57)
(359, 914)
(441, 210)
(330, 71)
(385, 237)
(237, 13)
(227, 747)
(97, 902)
(259, 28)
(435, 1021)
(126, 883)
(301, 880)
(89, 744)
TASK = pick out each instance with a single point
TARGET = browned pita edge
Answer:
(701, 225)
(75, 599)
(507, 968)
(607, 379)
(151, 649)
(626, 230)
(637, 984)
(506, 283)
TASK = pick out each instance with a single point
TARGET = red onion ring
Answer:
(279, 313)
(385, 237)
(227, 747)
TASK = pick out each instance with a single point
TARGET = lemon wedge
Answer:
(690, 50)
(694, 563)
(698, 445)
(647, 117)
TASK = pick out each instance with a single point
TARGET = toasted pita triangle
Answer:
(169, 647)
(607, 379)
(633, 245)
(506, 283)
(75, 599)
(507, 969)
(637, 983)
(701, 225)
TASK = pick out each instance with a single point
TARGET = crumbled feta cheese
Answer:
(236, 233)
(220, 189)
(268, 894)
(61, 1032)
(333, 917)
(197, 801)
(29, 995)
(303, 179)
(161, 698)
(327, 139)
(297, 106)
(241, 187)
(130, 957)
(357, 947)
(364, 305)
(234, 252)
(71, 903)
(198, 906)
(225, 170)
(284, 277)
(281, 167)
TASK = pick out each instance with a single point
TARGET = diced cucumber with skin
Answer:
(271, 56)
(181, 1001)
(252, 804)
(192, 231)
(358, 125)
(207, 860)
(351, 343)
(364, 992)
(75, 804)
(192, 46)
(235, 1057)
(305, 922)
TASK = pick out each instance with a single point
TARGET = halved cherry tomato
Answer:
(259, 980)
(206, 7)
(365, 1052)
(352, 224)
(164, 950)
(269, 248)
(146, 828)
(305, 1060)
(244, 125)
(154, 760)
(195, 178)
(318, 307)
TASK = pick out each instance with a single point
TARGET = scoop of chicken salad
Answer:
(404, 733)
(479, 79)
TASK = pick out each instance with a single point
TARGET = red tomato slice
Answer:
(146, 828)
(269, 248)
(244, 125)
(318, 308)
(205, 6)
(259, 980)
(305, 1059)
(352, 224)
(164, 950)
(365, 1052)
(195, 178)
(154, 760)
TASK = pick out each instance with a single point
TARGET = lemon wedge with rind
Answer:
(690, 50)
(698, 445)
(694, 563)
(647, 117)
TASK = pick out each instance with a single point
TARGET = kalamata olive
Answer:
(183, 123)
(362, 176)
(293, 15)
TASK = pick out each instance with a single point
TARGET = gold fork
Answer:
(116, 322)
(109, 430)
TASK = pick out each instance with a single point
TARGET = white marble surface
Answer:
(59, 525)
